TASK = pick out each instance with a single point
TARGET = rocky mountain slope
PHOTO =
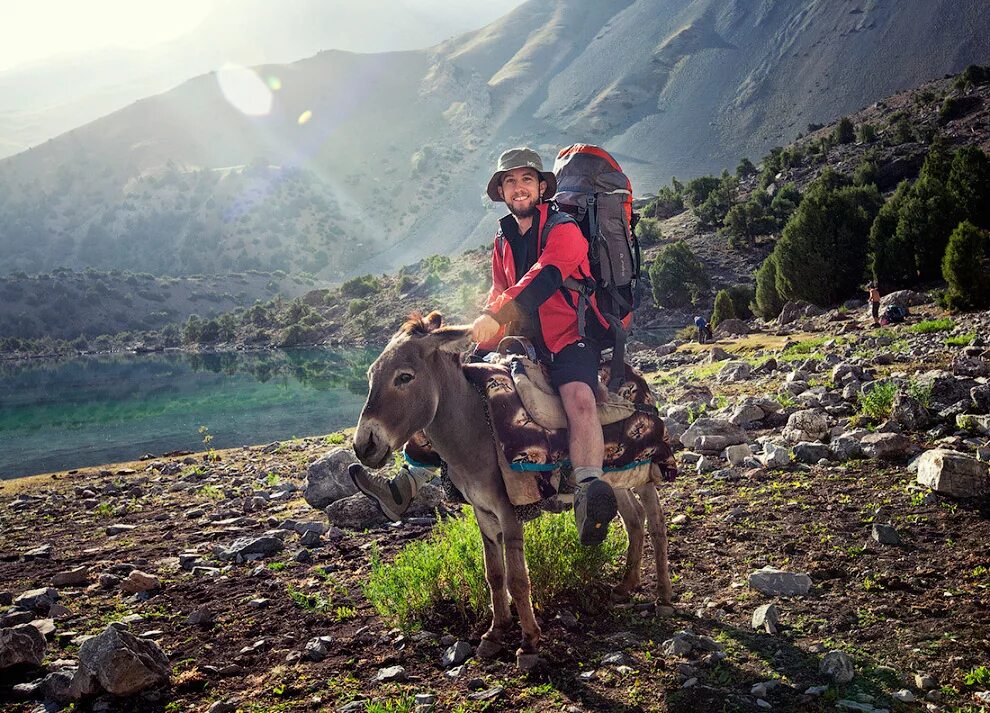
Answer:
(399, 145)
(799, 452)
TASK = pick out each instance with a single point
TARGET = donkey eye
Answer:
(403, 378)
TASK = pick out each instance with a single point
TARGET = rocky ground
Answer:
(828, 547)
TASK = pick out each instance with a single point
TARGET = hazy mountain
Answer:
(43, 99)
(392, 161)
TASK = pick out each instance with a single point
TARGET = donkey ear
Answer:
(433, 321)
(454, 339)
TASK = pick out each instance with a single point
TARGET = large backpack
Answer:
(593, 190)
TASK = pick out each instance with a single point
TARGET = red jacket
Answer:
(539, 291)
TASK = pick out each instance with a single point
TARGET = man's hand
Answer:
(484, 328)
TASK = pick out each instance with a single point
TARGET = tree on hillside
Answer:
(742, 296)
(969, 185)
(767, 302)
(713, 209)
(845, 133)
(745, 168)
(966, 268)
(926, 218)
(891, 260)
(677, 276)
(821, 256)
(723, 309)
(668, 203)
(698, 189)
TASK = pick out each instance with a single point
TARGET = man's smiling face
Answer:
(521, 189)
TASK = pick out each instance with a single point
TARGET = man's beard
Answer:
(523, 213)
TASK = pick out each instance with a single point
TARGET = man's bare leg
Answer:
(594, 501)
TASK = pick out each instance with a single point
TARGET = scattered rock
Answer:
(811, 453)
(775, 582)
(118, 529)
(838, 666)
(457, 654)
(766, 617)
(327, 479)
(885, 445)
(718, 435)
(318, 648)
(247, 549)
(738, 453)
(885, 534)
(37, 600)
(391, 674)
(952, 473)
(75, 577)
(122, 663)
(21, 644)
(806, 425)
(138, 581)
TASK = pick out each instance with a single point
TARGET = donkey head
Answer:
(405, 385)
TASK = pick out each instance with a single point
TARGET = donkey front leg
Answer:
(493, 640)
(517, 576)
(632, 515)
(656, 521)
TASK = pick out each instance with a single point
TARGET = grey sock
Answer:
(417, 476)
(586, 473)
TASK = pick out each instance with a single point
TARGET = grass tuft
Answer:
(448, 568)
(930, 326)
(878, 402)
(960, 340)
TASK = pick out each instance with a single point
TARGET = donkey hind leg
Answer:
(632, 514)
(492, 641)
(656, 521)
(517, 579)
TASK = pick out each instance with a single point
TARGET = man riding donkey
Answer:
(528, 298)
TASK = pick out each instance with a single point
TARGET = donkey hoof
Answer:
(665, 611)
(618, 596)
(526, 661)
(488, 649)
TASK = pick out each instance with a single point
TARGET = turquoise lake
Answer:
(73, 413)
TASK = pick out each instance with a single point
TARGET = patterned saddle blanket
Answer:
(535, 455)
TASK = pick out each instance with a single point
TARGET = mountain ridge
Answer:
(402, 143)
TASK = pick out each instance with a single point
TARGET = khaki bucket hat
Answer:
(521, 157)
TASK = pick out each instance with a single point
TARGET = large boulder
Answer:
(732, 327)
(953, 473)
(885, 445)
(806, 425)
(946, 389)
(970, 366)
(37, 600)
(122, 663)
(776, 582)
(717, 434)
(904, 298)
(735, 371)
(358, 512)
(811, 453)
(22, 644)
(908, 412)
(797, 309)
(327, 479)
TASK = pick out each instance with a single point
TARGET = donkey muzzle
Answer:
(372, 451)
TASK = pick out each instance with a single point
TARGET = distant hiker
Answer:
(874, 294)
(528, 298)
(704, 330)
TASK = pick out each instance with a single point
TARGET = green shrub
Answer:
(960, 340)
(877, 403)
(742, 296)
(966, 268)
(448, 568)
(723, 309)
(767, 302)
(930, 326)
(357, 306)
(648, 231)
(865, 174)
(745, 168)
(821, 256)
(698, 189)
(716, 205)
(844, 132)
(405, 284)
(866, 133)
(677, 277)
(668, 203)
(973, 75)
(360, 286)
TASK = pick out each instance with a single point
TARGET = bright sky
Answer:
(36, 29)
